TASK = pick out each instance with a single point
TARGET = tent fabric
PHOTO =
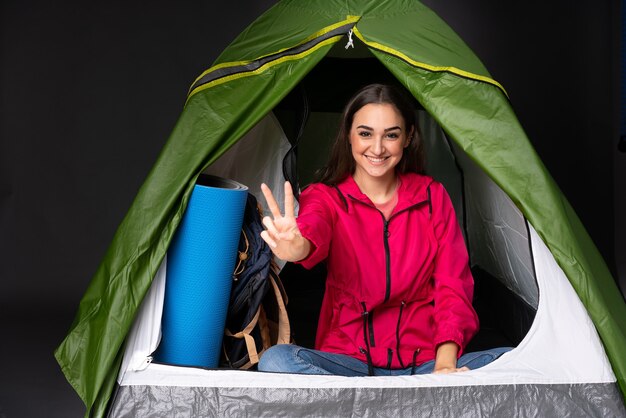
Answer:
(435, 66)
(497, 224)
(462, 401)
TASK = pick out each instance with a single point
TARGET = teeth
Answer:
(376, 160)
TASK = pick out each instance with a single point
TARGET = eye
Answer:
(365, 134)
(393, 135)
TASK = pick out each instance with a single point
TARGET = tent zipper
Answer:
(225, 71)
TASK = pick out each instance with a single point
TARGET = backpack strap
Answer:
(284, 329)
(250, 344)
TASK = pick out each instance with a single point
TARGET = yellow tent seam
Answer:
(425, 66)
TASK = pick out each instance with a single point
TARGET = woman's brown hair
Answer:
(341, 163)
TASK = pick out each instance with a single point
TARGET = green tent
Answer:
(253, 76)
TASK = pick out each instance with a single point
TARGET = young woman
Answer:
(399, 290)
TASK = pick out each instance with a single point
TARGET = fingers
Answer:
(271, 228)
(266, 237)
(289, 206)
(279, 228)
(274, 234)
(448, 370)
(271, 202)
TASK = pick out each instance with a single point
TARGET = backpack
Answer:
(257, 315)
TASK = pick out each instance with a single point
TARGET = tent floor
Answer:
(505, 319)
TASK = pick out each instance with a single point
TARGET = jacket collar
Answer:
(413, 190)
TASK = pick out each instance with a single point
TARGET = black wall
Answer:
(90, 91)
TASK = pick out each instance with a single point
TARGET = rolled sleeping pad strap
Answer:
(200, 263)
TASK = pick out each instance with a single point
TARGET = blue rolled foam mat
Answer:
(200, 263)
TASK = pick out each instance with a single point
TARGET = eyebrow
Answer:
(393, 128)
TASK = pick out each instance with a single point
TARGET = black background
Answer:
(91, 90)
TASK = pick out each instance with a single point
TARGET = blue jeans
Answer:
(289, 358)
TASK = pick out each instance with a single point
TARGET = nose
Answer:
(378, 147)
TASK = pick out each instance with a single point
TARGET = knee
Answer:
(479, 359)
(276, 358)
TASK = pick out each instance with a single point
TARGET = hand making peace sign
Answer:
(282, 233)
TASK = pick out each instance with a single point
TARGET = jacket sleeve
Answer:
(315, 221)
(455, 318)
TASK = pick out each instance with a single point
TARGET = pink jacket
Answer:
(395, 289)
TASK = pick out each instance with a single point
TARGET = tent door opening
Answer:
(506, 293)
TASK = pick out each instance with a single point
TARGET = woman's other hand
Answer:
(282, 233)
(448, 370)
(445, 361)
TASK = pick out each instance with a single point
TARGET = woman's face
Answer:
(378, 137)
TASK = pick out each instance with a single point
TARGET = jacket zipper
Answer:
(386, 240)
(387, 257)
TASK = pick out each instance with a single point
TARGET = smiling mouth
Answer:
(376, 160)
